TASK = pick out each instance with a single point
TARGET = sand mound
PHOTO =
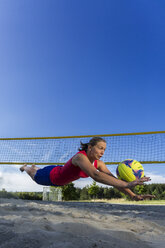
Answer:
(40, 224)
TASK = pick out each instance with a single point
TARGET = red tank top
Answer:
(68, 173)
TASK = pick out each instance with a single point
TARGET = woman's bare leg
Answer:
(35, 167)
(31, 171)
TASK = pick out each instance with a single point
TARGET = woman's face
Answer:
(97, 151)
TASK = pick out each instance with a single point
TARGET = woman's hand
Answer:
(138, 182)
(142, 197)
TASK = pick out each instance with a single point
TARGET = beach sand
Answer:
(28, 224)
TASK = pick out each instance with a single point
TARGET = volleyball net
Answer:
(147, 148)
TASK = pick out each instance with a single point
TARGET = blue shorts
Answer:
(42, 176)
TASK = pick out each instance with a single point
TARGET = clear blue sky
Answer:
(71, 67)
(81, 67)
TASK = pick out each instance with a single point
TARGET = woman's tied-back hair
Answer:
(92, 142)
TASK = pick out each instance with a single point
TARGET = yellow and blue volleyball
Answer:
(129, 170)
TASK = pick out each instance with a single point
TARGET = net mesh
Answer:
(144, 147)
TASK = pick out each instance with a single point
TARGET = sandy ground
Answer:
(28, 224)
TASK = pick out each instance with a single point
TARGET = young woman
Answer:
(85, 163)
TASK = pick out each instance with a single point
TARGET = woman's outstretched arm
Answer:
(83, 162)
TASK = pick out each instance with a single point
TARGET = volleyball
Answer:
(129, 170)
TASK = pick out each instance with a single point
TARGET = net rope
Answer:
(143, 147)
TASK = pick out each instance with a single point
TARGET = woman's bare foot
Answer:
(22, 168)
(31, 171)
